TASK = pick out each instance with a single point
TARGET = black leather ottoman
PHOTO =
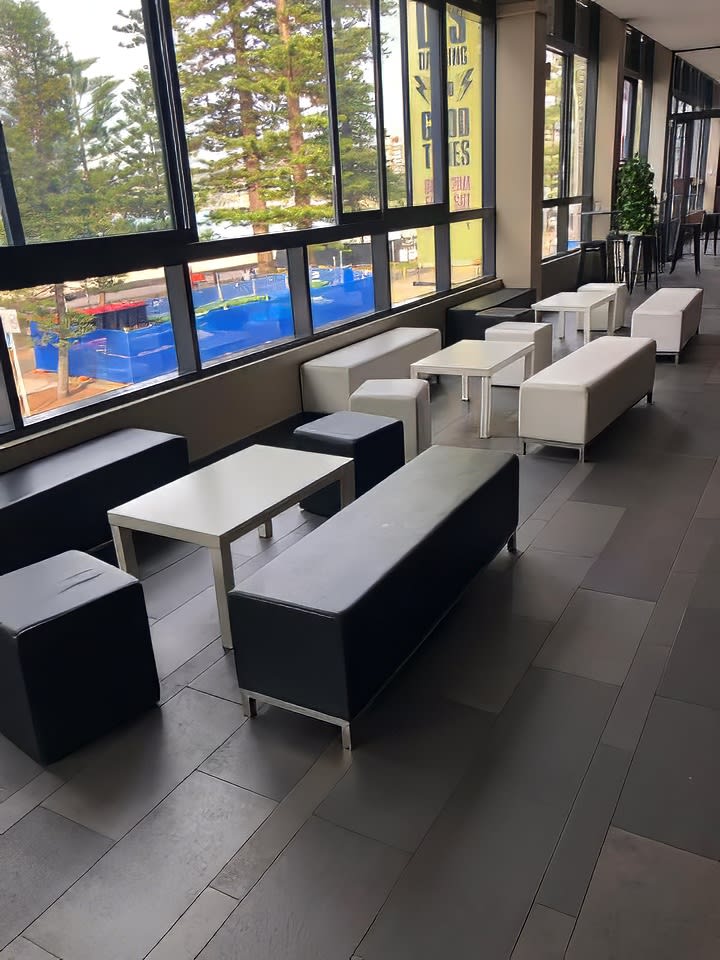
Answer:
(376, 444)
(75, 654)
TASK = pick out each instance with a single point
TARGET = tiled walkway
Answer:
(541, 782)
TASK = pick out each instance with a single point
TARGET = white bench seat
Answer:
(570, 402)
(328, 381)
(671, 317)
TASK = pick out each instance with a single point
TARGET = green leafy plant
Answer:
(636, 200)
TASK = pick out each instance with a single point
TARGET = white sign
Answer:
(9, 320)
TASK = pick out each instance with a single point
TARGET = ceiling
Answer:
(689, 27)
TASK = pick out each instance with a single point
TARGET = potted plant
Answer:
(636, 200)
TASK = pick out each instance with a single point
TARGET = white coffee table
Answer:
(579, 302)
(217, 504)
(476, 358)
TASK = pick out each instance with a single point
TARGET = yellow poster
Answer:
(419, 67)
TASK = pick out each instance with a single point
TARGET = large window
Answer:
(566, 112)
(79, 123)
(251, 172)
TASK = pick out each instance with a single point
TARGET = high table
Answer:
(476, 358)
(579, 302)
(217, 504)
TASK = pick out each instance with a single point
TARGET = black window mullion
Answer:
(381, 271)
(166, 84)
(563, 212)
(488, 112)
(8, 380)
(407, 129)
(332, 108)
(376, 26)
(442, 257)
(438, 103)
(11, 218)
(566, 125)
(182, 317)
(299, 283)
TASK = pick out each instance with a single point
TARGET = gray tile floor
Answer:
(540, 782)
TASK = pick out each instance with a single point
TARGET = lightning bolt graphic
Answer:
(466, 82)
(420, 87)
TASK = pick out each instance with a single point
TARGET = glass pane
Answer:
(355, 89)
(423, 51)
(466, 251)
(574, 225)
(72, 343)
(577, 131)
(254, 91)
(80, 121)
(241, 303)
(341, 281)
(392, 80)
(412, 264)
(554, 63)
(464, 86)
(549, 240)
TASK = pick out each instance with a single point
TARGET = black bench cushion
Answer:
(326, 623)
(61, 502)
(470, 320)
(76, 657)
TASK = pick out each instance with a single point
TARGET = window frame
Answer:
(174, 250)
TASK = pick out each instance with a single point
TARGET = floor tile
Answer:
(541, 583)
(184, 632)
(567, 486)
(16, 768)
(596, 637)
(27, 798)
(22, 949)
(669, 610)
(709, 506)
(539, 478)
(114, 912)
(41, 857)
(649, 900)
(251, 544)
(473, 879)
(271, 752)
(170, 588)
(156, 553)
(581, 529)
(243, 871)
(190, 670)
(135, 769)
(672, 793)
(286, 916)
(703, 533)
(195, 928)
(632, 706)
(407, 759)
(220, 679)
(545, 935)
(640, 554)
(694, 665)
(566, 881)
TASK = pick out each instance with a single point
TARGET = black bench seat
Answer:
(322, 628)
(60, 502)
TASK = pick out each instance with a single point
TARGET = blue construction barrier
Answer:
(145, 353)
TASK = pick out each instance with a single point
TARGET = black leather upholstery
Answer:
(61, 502)
(376, 444)
(326, 624)
(76, 657)
(469, 321)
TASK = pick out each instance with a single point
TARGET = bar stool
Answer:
(593, 252)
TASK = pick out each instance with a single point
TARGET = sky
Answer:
(87, 27)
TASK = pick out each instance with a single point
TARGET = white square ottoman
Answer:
(539, 333)
(406, 400)
(599, 317)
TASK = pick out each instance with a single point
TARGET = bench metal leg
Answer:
(524, 448)
(649, 397)
(465, 388)
(677, 359)
(512, 543)
(266, 529)
(581, 454)
(346, 736)
(249, 705)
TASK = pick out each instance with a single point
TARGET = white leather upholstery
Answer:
(599, 317)
(671, 317)
(573, 400)
(540, 334)
(328, 381)
(406, 400)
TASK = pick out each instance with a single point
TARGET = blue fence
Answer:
(226, 328)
